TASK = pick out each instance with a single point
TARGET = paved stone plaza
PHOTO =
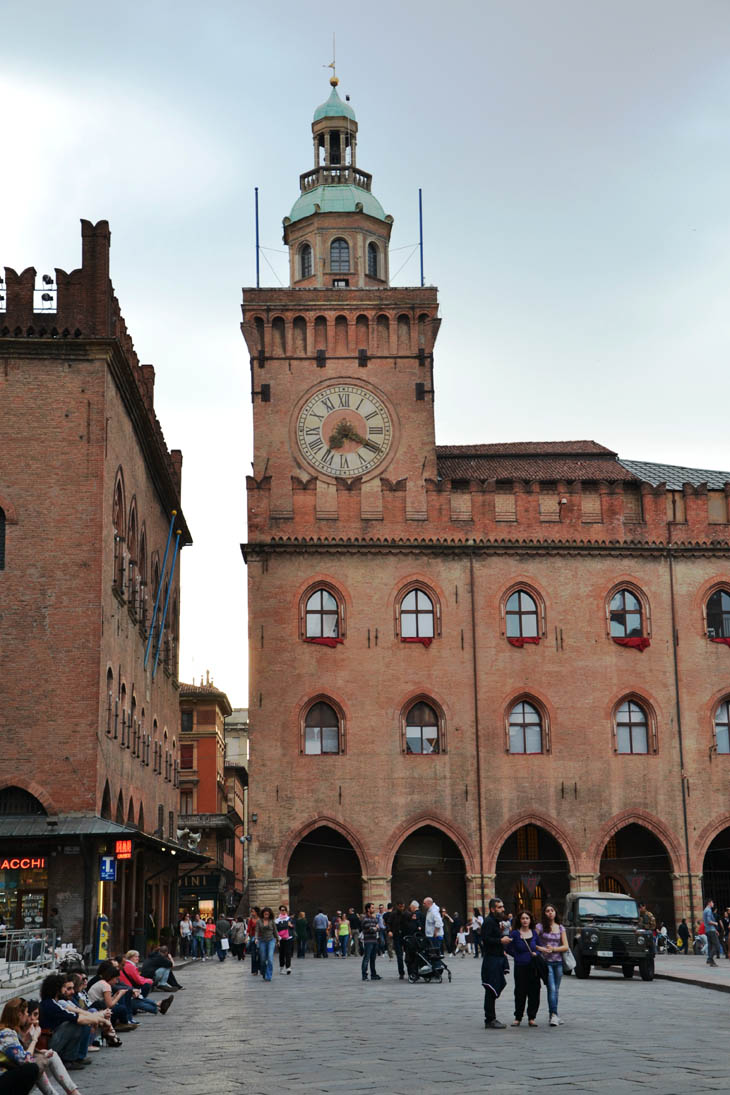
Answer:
(322, 1030)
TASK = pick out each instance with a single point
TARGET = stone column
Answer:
(376, 888)
(474, 889)
(682, 908)
(269, 891)
(581, 882)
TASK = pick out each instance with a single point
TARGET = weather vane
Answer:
(333, 78)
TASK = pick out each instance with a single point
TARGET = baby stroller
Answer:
(423, 961)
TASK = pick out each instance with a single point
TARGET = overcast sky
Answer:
(575, 163)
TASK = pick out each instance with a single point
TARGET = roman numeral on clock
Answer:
(328, 457)
(371, 446)
(327, 402)
(343, 462)
(375, 431)
(344, 399)
(316, 445)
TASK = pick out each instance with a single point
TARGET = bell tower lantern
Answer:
(337, 231)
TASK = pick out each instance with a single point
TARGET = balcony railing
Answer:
(335, 176)
(26, 953)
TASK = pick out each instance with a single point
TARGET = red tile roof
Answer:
(193, 690)
(535, 461)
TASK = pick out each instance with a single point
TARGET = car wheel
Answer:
(646, 969)
(628, 971)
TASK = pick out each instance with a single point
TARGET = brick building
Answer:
(89, 727)
(498, 667)
(212, 802)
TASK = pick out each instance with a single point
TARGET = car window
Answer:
(608, 907)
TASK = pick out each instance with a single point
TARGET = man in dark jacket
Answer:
(398, 924)
(493, 962)
(222, 931)
(355, 925)
(683, 933)
(158, 966)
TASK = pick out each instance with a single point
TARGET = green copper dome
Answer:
(334, 108)
(336, 199)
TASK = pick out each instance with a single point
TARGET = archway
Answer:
(639, 862)
(716, 871)
(429, 864)
(532, 869)
(324, 873)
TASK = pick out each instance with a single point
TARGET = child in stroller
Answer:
(423, 959)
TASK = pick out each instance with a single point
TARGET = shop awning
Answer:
(42, 827)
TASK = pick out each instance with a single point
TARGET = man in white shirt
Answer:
(434, 923)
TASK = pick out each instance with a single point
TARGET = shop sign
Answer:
(108, 869)
(123, 849)
(26, 863)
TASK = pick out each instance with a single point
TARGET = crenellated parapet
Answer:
(72, 309)
(628, 512)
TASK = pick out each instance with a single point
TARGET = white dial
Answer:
(344, 430)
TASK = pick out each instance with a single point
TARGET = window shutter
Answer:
(186, 755)
(632, 503)
(591, 506)
(504, 506)
(549, 507)
(716, 511)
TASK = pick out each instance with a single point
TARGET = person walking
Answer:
(185, 930)
(320, 925)
(523, 948)
(238, 938)
(354, 921)
(266, 937)
(713, 941)
(209, 936)
(253, 946)
(683, 934)
(343, 935)
(198, 937)
(370, 943)
(553, 943)
(493, 962)
(301, 930)
(222, 937)
(448, 931)
(477, 922)
(285, 931)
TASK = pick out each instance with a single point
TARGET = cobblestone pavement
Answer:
(322, 1030)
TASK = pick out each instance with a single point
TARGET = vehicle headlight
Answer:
(594, 938)
(640, 940)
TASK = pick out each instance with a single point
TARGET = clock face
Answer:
(344, 430)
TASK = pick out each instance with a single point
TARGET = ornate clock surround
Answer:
(344, 429)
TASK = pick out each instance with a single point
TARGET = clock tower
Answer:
(341, 362)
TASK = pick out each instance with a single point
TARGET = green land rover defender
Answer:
(603, 930)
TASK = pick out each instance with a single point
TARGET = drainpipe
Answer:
(476, 729)
(670, 529)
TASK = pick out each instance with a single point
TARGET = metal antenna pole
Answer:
(256, 191)
(420, 229)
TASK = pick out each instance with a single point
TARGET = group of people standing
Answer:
(537, 952)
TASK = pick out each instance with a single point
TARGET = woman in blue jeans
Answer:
(553, 943)
(266, 937)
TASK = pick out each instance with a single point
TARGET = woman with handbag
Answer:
(523, 949)
(553, 943)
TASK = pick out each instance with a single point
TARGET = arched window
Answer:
(718, 615)
(626, 615)
(722, 727)
(417, 616)
(15, 801)
(422, 729)
(321, 729)
(631, 728)
(305, 261)
(372, 260)
(525, 728)
(322, 616)
(339, 256)
(521, 616)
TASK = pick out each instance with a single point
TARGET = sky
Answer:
(575, 165)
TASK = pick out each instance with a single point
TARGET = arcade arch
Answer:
(428, 863)
(324, 872)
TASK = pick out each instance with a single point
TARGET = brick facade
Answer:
(567, 523)
(87, 486)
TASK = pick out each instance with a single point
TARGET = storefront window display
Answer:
(24, 896)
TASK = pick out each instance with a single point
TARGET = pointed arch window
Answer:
(422, 729)
(416, 616)
(339, 256)
(718, 614)
(305, 261)
(321, 730)
(525, 728)
(522, 620)
(626, 615)
(722, 727)
(373, 257)
(632, 734)
(322, 616)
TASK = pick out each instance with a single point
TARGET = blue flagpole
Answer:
(159, 590)
(167, 601)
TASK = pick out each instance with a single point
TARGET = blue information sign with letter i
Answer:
(108, 869)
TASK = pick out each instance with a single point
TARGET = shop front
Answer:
(24, 889)
(210, 893)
